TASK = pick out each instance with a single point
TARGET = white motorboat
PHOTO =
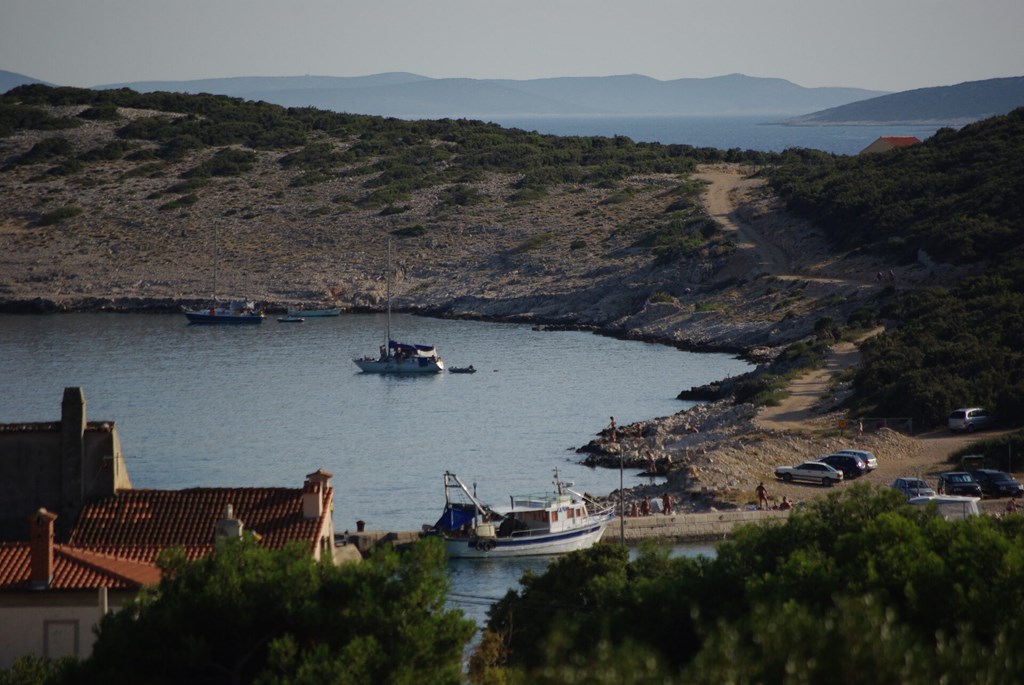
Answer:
(396, 357)
(537, 524)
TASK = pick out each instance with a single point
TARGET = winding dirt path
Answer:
(729, 188)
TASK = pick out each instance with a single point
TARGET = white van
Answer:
(951, 507)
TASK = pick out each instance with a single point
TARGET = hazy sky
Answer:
(877, 44)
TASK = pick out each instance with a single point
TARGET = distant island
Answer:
(946, 105)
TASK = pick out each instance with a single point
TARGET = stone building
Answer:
(59, 466)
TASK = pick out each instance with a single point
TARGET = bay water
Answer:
(724, 133)
(265, 405)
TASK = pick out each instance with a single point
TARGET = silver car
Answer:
(813, 471)
(970, 419)
(913, 487)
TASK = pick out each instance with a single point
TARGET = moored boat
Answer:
(239, 312)
(234, 312)
(402, 358)
(537, 524)
(302, 312)
(290, 319)
(396, 357)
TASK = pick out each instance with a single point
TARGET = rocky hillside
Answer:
(97, 215)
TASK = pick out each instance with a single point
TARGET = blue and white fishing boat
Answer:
(538, 524)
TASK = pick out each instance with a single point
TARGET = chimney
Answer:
(227, 528)
(312, 500)
(41, 549)
(72, 445)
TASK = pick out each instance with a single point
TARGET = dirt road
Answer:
(804, 410)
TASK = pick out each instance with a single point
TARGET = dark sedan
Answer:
(958, 483)
(852, 466)
(997, 483)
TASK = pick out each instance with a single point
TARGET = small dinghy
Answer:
(462, 369)
(290, 319)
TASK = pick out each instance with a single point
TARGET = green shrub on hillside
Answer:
(44, 151)
(15, 115)
(59, 215)
(103, 112)
(226, 162)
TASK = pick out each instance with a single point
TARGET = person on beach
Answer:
(611, 429)
(762, 496)
(645, 507)
(786, 504)
(666, 504)
(1011, 506)
(634, 511)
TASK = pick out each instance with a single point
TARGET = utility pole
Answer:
(622, 505)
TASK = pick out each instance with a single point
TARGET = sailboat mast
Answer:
(387, 343)
(216, 258)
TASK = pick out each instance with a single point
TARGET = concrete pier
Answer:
(709, 526)
(714, 525)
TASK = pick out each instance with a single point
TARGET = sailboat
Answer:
(397, 357)
(235, 312)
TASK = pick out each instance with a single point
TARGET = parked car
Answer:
(851, 465)
(813, 471)
(958, 483)
(997, 483)
(970, 419)
(868, 457)
(913, 487)
(950, 507)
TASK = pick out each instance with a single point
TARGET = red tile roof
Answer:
(74, 569)
(139, 524)
(901, 141)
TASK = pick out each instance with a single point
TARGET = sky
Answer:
(888, 45)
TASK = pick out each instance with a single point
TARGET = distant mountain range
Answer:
(410, 96)
(945, 105)
(8, 80)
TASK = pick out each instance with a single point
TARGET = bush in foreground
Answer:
(856, 585)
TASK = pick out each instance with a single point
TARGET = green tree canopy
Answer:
(859, 585)
(249, 615)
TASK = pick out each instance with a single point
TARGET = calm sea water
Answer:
(723, 133)
(266, 405)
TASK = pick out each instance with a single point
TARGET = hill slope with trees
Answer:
(954, 199)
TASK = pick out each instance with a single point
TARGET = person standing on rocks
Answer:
(611, 430)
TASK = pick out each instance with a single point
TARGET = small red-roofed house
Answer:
(139, 524)
(52, 596)
(886, 143)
